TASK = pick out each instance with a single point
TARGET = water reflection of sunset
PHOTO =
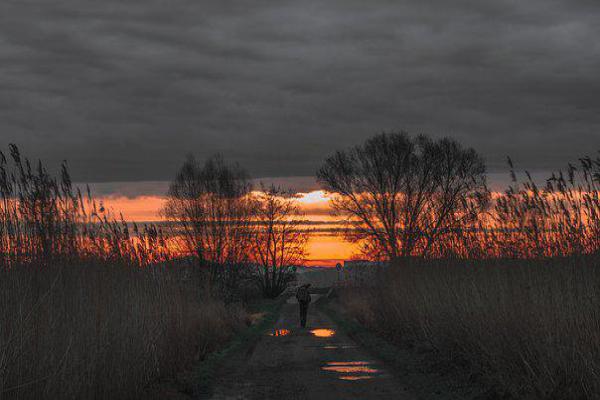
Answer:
(352, 370)
(280, 332)
(325, 247)
(323, 332)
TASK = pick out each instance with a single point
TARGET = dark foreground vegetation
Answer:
(503, 285)
(528, 329)
(92, 330)
(91, 307)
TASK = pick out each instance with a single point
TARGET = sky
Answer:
(124, 89)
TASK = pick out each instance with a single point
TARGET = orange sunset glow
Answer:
(323, 249)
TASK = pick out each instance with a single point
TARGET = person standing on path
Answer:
(303, 297)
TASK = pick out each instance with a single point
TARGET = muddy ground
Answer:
(316, 362)
(322, 362)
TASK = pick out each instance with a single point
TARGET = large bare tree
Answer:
(212, 205)
(406, 193)
(279, 241)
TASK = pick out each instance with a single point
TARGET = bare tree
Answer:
(405, 193)
(279, 240)
(213, 208)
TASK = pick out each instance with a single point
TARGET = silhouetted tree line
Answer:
(402, 196)
(233, 232)
(419, 197)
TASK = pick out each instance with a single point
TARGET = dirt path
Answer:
(318, 362)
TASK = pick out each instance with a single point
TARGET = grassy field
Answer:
(104, 331)
(530, 329)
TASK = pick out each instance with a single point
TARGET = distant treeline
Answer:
(398, 196)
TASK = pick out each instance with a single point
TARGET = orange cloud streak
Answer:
(136, 209)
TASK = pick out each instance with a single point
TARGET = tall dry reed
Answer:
(45, 219)
(90, 306)
(529, 220)
(102, 331)
(530, 328)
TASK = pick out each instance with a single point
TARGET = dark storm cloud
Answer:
(123, 89)
(132, 190)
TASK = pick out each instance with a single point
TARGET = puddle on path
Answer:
(323, 332)
(355, 377)
(348, 363)
(352, 370)
(280, 332)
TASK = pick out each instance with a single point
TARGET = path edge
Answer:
(203, 373)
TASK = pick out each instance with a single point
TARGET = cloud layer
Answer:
(125, 88)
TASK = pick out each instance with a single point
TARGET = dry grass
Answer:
(88, 307)
(522, 309)
(529, 328)
(102, 331)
